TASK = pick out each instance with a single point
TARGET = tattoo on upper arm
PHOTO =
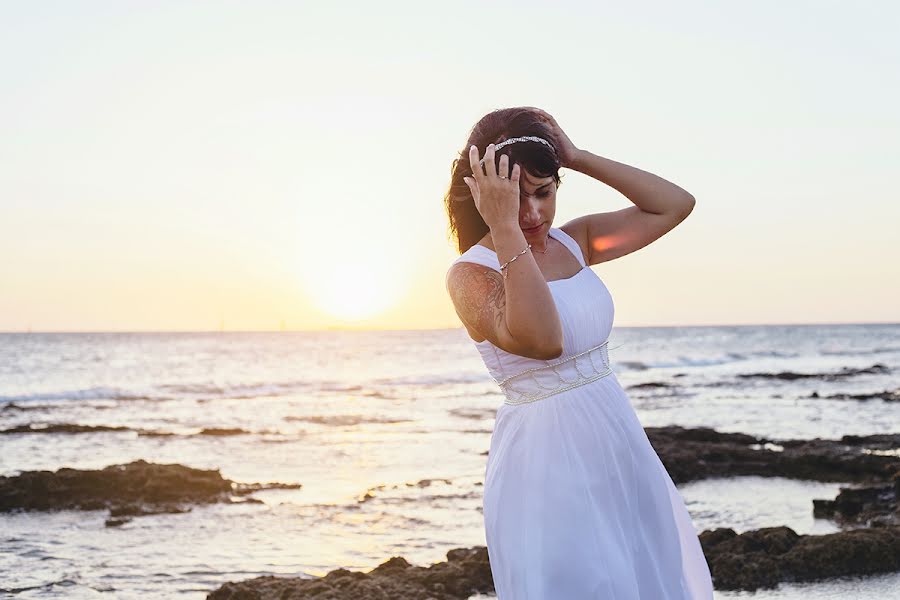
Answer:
(480, 297)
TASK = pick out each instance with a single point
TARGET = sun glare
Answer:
(353, 288)
(349, 265)
(366, 294)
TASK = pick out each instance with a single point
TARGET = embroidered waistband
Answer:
(555, 377)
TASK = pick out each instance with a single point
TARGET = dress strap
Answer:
(477, 254)
(570, 243)
(481, 255)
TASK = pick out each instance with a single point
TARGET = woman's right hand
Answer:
(496, 194)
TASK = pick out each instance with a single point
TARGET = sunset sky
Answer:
(276, 165)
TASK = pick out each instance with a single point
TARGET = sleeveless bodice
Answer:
(583, 302)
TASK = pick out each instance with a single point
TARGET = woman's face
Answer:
(537, 205)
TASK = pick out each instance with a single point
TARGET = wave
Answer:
(682, 362)
(475, 414)
(434, 379)
(688, 362)
(93, 393)
(74, 428)
(887, 349)
(236, 391)
(343, 420)
(167, 392)
(886, 395)
(63, 428)
(205, 391)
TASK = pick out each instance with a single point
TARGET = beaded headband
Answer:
(525, 138)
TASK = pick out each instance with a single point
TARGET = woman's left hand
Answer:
(567, 150)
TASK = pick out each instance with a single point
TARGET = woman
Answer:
(577, 504)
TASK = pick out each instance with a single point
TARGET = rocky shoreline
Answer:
(754, 559)
(759, 558)
(868, 511)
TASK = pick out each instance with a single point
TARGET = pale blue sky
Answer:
(183, 165)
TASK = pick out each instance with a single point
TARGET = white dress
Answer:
(577, 504)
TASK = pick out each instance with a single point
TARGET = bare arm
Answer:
(516, 313)
(659, 206)
(480, 299)
(651, 193)
(531, 313)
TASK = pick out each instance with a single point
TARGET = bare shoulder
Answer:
(577, 230)
(470, 282)
(478, 296)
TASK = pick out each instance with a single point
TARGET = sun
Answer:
(352, 288)
(346, 247)
(355, 293)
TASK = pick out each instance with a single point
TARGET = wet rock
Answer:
(242, 489)
(870, 506)
(699, 453)
(876, 369)
(75, 428)
(634, 365)
(886, 395)
(762, 558)
(10, 406)
(650, 385)
(878, 441)
(62, 428)
(137, 510)
(222, 431)
(135, 482)
(119, 515)
(133, 489)
(427, 482)
(475, 414)
(465, 572)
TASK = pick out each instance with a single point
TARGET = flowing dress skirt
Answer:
(578, 506)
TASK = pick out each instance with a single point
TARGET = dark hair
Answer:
(466, 224)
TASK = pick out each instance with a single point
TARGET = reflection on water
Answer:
(386, 432)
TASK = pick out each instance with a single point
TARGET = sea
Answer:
(387, 433)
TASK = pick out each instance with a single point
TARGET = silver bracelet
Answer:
(506, 264)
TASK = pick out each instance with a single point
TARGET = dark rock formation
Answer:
(133, 489)
(870, 506)
(886, 395)
(751, 560)
(62, 428)
(465, 572)
(699, 453)
(650, 385)
(762, 558)
(10, 406)
(75, 428)
(223, 431)
(755, 559)
(119, 515)
(876, 369)
(878, 441)
(136, 482)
